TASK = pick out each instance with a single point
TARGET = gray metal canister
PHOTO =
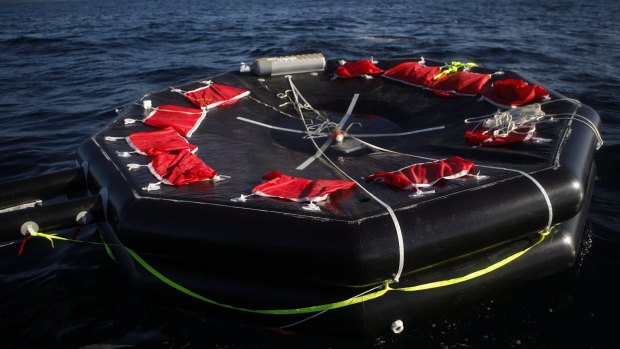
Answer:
(285, 64)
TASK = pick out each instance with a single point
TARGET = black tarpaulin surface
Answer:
(352, 238)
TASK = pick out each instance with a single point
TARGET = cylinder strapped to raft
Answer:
(285, 65)
(45, 203)
(42, 187)
(362, 246)
(14, 224)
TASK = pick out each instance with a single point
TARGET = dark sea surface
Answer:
(65, 66)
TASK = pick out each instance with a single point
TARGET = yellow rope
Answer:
(322, 307)
(453, 68)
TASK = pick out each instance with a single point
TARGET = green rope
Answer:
(316, 308)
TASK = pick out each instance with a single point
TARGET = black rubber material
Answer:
(42, 187)
(270, 253)
(50, 217)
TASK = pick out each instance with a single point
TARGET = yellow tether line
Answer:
(316, 308)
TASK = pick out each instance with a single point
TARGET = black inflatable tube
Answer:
(373, 318)
(341, 251)
(557, 253)
(49, 217)
(42, 187)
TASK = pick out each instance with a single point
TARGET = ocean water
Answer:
(65, 66)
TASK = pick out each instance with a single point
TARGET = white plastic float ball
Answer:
(397, 326)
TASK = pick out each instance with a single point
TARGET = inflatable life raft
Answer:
(332, 196)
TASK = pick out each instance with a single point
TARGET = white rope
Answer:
(272, 107)
(376, 288)
(189, 133)
(181, 112)
(513, 121)
(401, 250)
(582, 119)
(397, 134)
(321, 135)
(329, 140)
(501, 124)
(304, 132)
(207, 83)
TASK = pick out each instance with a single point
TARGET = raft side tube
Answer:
(253, 290)
(556, 254)
(42, 187)
(14, 224)
(240, 239)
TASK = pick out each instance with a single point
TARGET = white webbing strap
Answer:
(538, 185)
(262, 124)
(396, 134)
(399, 234)
(322, 134)
(526, 175)
(329, 140)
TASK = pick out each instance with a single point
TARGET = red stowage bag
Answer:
(425, 174)
(413, 73)
(153, 143)
(461, 83)
(213, 95)
(483, 136)
(181, 168)
(357, 69)
(184, 120)
(510, 93)
(299, 189)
